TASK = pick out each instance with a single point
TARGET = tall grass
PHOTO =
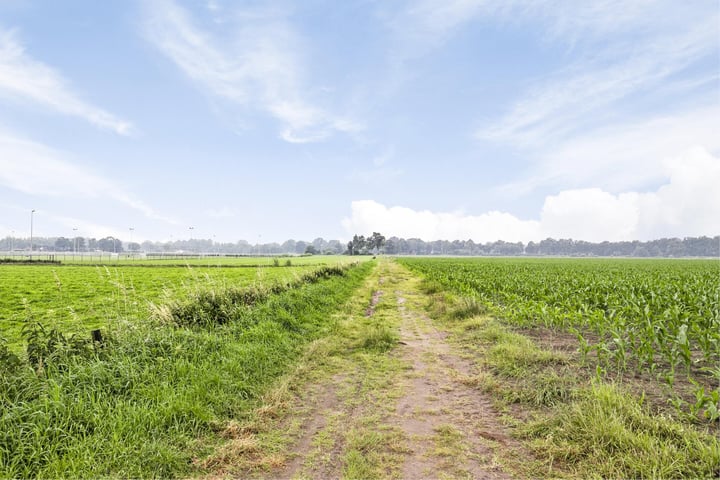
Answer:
(153, 396)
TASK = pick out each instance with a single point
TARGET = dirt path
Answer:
(452, 429)
(401, 412)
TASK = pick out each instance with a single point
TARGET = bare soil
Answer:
(437, 402)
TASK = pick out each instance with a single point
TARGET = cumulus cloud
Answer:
(687, 205)
(21, 76)
(369, 216)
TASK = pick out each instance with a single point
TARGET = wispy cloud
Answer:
(576, 98)
(632, 90)
(425, 24)
(87, 229)
(22, 77)
(35, 169)
(260, 67)
(621, 156)
(616, 50)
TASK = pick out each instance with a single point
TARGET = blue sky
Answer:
(482, 119)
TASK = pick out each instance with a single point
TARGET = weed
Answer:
(614, 436)
(380, 339)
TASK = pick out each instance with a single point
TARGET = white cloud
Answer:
(622, 156)
(260, 67)
(87, 229)
(427, 24)
(35, 169)
(634, 86)
(22, 77)
(687, 205)
(369, 216)
(562, 105)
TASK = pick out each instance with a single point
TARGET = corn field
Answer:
(656, 316)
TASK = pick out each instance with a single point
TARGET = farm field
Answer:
(661, 317)
(76, 298)
(182, 260)
(389, 368)
(138, 404)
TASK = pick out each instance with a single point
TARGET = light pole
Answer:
(32, 212)
(74, 241)
(191, 229)
(132, 229)
(12, 241)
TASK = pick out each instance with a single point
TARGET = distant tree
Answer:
(375, 241)
(319, 244)
(63, 244)
(109, 244)
(391, 246)
(79, 243)
(311, 250)
(531, 248)
(334, 246)
(288, 246)
(300, 246)
(358, 245)
(134, 247)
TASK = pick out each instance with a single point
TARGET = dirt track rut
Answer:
(441, 426)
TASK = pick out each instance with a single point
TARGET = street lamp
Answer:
(191, 229)
(32, 212)
(132, 229)
(74, 241)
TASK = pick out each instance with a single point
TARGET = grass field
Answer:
(81, 297)
(152, 396)
(105, 258)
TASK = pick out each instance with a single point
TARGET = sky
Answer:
(511, 120)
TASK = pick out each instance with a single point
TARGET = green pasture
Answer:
(77, 297)
(125, 258)
(156, 394)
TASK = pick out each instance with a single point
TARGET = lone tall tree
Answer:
(376, 241)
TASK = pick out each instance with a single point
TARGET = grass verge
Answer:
(156, 396)
(324, 418)
(578, 423)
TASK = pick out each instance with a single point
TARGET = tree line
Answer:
(664, 247)
(376, 243)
